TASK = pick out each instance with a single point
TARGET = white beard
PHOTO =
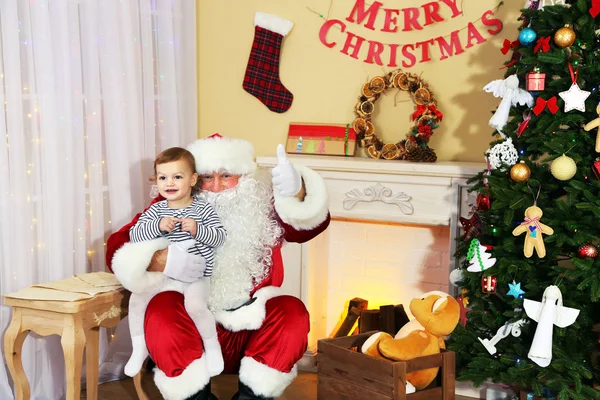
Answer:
(246, 212)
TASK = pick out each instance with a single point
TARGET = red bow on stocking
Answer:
(421, 109)
(595, 10)
(540, 105)
(542, 44)
(508, 45)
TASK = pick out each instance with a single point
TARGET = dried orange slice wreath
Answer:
(426, 118)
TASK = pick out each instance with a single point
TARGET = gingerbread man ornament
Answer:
(533, 229)
(595, 124)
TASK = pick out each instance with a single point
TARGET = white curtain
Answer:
(91, 91)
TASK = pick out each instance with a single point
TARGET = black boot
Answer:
(203, 394)
(245, 393)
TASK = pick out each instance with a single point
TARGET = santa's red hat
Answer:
(218, 153)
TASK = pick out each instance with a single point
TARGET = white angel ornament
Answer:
(508, 90)
(547, 313)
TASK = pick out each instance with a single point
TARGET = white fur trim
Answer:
(213, 154)
(193, 378)
(248, 317)
(130, 265)
(273, 23)
(307, 214)
(263, 380)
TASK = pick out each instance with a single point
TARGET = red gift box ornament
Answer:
(536, 81)
(488, 284)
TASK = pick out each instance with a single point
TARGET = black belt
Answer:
(252, 300)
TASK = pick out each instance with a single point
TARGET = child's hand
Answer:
(167, 224)
(189, 225)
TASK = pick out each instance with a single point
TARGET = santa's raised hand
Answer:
(286, 179)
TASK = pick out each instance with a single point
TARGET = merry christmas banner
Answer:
(375, 17)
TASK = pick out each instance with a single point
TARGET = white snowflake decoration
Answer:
(503, 153)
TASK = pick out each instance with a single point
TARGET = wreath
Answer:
(426, 117)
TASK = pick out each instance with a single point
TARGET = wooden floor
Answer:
(224, 387)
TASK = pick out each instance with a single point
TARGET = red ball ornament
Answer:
(588, 250)
(484, 202)
(488, 284)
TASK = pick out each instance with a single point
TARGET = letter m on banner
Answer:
(361, 13)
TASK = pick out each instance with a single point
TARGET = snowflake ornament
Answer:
(503, 153)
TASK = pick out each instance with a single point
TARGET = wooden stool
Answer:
(77, 322)
(137, 383)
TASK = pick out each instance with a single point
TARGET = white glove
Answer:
(183, 266)
(286, 179)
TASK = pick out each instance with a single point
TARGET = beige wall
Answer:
(326, 83)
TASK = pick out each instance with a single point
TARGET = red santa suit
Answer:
(262, 332)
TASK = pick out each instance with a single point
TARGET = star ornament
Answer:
(574, 98)
(515, 290)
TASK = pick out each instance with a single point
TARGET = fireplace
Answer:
(392, 235)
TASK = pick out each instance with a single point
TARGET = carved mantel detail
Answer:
(378, 192)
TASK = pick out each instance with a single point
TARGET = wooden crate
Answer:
(345, 374)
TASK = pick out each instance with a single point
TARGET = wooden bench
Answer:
(77, 322)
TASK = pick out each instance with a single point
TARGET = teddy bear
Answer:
(534, 229)
(436, 314)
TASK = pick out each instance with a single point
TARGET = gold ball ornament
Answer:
(563, 168)
(564, 37)
(520, 172)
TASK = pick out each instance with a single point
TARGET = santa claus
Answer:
(262, 332)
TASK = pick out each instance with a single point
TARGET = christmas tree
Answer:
(533, 318)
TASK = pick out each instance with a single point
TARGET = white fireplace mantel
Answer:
(391, 191)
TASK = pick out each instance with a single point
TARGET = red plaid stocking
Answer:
(262, 74)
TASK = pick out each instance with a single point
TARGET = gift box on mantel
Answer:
(323, 139)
